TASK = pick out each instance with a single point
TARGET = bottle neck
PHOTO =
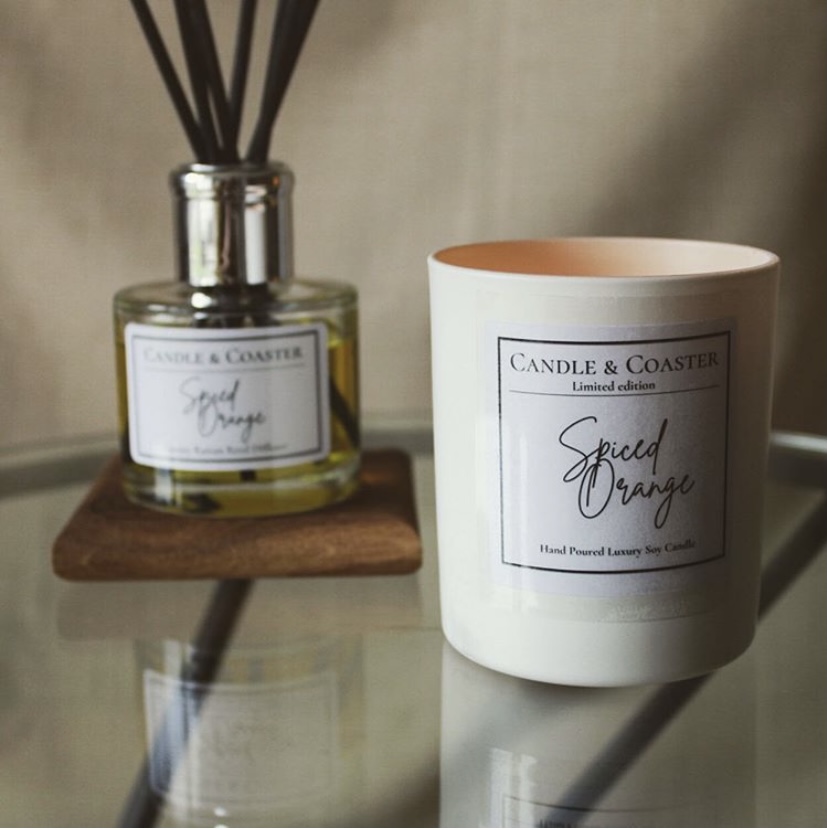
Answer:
(233, 224)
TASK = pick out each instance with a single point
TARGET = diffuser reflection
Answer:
(274, 739)
(321, 710)
(522, 754)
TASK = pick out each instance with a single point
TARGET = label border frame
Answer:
(206, 465)
(727, 333)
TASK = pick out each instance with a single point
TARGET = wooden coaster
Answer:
(375, 532)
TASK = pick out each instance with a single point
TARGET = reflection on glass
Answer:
(522, 754)
(271, 741)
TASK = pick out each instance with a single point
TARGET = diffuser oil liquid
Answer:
(238, 401)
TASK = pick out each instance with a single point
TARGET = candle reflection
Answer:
(523, 754)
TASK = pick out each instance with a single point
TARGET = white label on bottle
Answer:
(227, 399)
(610, 448)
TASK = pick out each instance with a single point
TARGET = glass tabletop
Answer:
(336, 701)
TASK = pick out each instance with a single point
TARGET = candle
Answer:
(601, 414)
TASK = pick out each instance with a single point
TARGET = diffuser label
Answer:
(610, 448)
(227, 399)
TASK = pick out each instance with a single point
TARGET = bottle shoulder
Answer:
(182, 298)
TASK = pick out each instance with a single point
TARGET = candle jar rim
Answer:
(610, 258)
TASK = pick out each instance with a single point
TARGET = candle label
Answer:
(610, 455)
(227, 399)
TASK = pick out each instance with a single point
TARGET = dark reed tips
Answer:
(212, 118)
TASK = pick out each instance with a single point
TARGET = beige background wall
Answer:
(411, 125)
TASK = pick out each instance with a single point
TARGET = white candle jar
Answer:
(601, 415)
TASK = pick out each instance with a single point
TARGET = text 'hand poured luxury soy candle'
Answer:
(601, 416)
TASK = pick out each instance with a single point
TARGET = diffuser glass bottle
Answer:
(238, 384)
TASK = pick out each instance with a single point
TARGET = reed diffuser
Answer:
(238, 382)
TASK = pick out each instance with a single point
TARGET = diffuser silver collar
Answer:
(233, 223)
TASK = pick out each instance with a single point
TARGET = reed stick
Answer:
(212, 122)
(241, 63)
(198, 80)
(211, 66)
(169, 76)
(290, 27)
